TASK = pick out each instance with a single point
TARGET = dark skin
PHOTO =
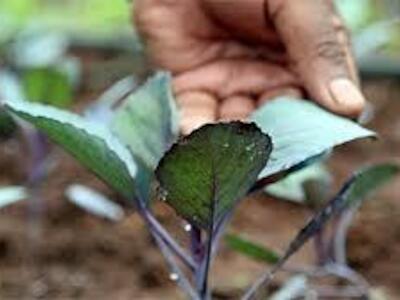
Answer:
(228, 57)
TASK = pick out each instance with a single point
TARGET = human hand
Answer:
(228, 57)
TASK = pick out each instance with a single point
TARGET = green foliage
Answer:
(367, 181)
(357, 14)
(48, 86)
(88, 16)
(292, 187)
(147, 121)
(207, 172)
(7, 125)
(251, 249)
(354, 191)
(300, 130)
(91, 144)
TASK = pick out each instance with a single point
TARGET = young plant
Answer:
(35, 68)
(333, 259)
(202, 176)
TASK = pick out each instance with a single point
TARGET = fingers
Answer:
(289, 91)
(236, 108)
(197, 108)
(318, 45)
(228, 77)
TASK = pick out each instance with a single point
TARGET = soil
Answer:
(60, 252)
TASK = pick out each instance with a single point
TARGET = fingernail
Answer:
(347, 94)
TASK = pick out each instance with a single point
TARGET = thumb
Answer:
(318, 46)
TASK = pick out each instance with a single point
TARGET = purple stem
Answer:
(38, 152)
(320, 247)
(181, 280)
(159, 230)
(169, 248)
(39, 149)
(339, 238)
(196, 245)
(219, 231)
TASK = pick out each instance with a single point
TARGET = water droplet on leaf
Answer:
(173, 276)
(187, 227)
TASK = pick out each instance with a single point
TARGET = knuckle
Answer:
(330, 49)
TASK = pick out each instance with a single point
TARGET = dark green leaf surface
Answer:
(300, 129)
(90, 143)
(147, 121)
(207, 172)
(7, 125)
(251, 249)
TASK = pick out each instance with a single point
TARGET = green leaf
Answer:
(90, 143)
(147, 121)
(7, 125)
(207, 172)
(251, 249)
(300, 129)
(292, 187)
(47, 86)
(367, 181)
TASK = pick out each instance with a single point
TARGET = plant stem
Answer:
(266, 278)
(38, 148)
(349, 274)
(169, 248)
(160, 231)
(219, 231)
(320, 247)
(182, 280)
(339, 239)
(196, 246)
(202, 275)
(38, 168)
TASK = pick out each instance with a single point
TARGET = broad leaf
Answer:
(94, 202)
(102, 110)
(12, 194)
(354, 191)
(91, 144)
(251, 249)
(292, 187)
(146, 122)
(207, 172)
(300, 129)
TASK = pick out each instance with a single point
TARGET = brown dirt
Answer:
(67, 254)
